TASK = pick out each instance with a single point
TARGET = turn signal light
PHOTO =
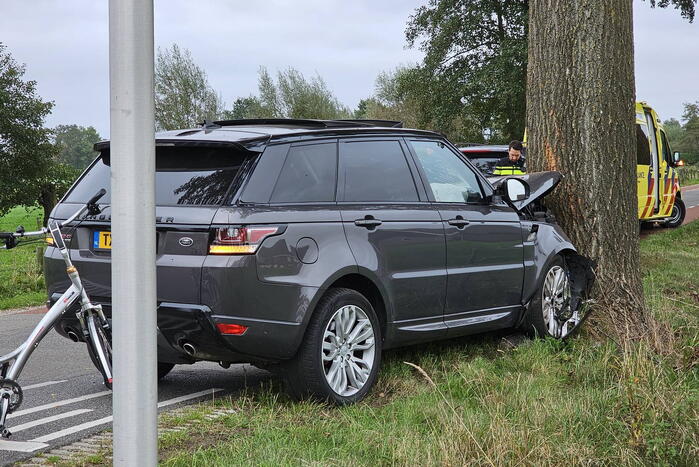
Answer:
(231, 329)
(239, 240)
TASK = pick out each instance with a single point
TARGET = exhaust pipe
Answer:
(189, 349)
(72, 335)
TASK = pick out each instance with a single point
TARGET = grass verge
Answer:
(21, 278)
(544, 402)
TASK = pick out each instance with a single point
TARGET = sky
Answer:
(64, 45)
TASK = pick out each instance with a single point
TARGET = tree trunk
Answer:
(580, 119)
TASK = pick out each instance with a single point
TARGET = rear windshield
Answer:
(485, 161)
(193, 176)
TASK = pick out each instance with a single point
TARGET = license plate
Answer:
(102, 240)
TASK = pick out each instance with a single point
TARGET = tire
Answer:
(549, 313)
(328, 368)
(164, 369)
(99, 343)
(677, 214)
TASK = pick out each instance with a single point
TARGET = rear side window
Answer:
(451, 180)
(308, 175)
(194, 176)
(375, 171)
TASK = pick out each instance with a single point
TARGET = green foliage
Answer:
(687, 7)
(291, 96)
(75, 144)
(183, 96)
(471, 84)
(685, 138)
(26, 152)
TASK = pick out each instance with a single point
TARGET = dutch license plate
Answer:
(102, 240)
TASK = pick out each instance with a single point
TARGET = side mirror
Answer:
(676, 157)
(516, 189)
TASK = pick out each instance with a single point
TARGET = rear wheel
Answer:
(677, 214)
(100, 348)
(340, 356)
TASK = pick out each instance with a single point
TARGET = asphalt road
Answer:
(690, 196)
(65, 399)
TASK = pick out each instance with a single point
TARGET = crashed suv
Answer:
(312, 246)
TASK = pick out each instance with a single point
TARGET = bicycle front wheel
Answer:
(99, 347)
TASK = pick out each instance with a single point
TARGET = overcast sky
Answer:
(64, 45)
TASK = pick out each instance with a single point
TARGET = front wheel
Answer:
(552, 311)
(340, 356)
(677, 214)
(99, 347)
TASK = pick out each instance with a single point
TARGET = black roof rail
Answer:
(311, 123)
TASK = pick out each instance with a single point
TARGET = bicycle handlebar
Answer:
(10, 237)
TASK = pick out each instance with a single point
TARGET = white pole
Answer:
(133, 231)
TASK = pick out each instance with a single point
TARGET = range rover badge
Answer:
(186, 241)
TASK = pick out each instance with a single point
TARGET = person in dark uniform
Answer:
(514, 163)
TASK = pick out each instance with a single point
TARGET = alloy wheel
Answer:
(555, 299)
(349, 346)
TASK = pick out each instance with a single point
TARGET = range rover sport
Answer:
(314, 245)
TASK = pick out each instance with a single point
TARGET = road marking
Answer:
(41, 385)
(21, 446)
(53, 405)
(102, 421)
(42, 421)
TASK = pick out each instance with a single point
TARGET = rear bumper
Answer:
(180, 323)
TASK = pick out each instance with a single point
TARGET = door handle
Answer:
(458, 222)
(369, 222)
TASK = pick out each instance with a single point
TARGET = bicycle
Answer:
(95, 326)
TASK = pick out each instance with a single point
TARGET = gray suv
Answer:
(312, 246)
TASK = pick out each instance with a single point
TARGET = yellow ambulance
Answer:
(659, 196)
(658, 184)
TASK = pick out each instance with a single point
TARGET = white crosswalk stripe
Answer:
(43, 421)
(53, 405)
(105, 420)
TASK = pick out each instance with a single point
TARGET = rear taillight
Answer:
(239, 240)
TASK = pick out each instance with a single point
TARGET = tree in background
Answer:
(580, 120)
(76, 144)
(183, 96)
(688, 143)
(474, 68)
(27, 156)
(292, 96)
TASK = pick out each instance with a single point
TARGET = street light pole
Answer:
(133, 230)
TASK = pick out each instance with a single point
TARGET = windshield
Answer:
(195, 176)
(485, 161)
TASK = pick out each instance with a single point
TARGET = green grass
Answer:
(542, 403)
(21, 279)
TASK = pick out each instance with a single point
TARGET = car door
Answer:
(394, 232)
(485, 263)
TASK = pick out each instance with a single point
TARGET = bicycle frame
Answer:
(12, 364)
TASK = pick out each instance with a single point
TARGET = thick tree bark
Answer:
(580, 119)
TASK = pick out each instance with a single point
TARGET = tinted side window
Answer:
(308, 175)
(375, 171)
(451, 180)
(642, 147)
